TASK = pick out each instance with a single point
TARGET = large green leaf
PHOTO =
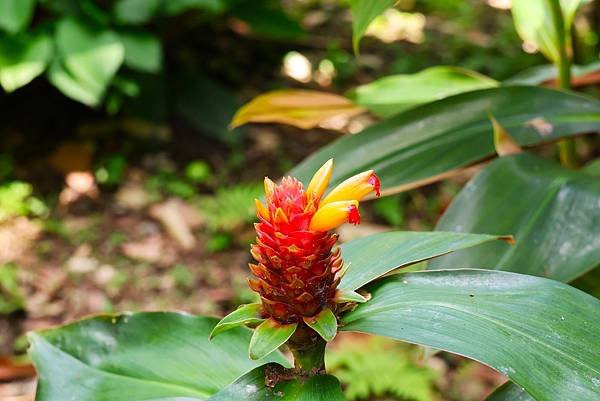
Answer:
(376, 255)
(363, 13)
(541, 333)
(251, 387)
(15, 15)
(395, 93)
(22, 58)
(535, 24)
(509, 392)
(541, 73)
(143, 356)
(421, 144)
(90, 59)
(551, 211)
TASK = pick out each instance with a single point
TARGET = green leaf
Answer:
(15, 15)
(91, 60)
(269, 336)
(23, 58)
(174, 7)
(143, 51)
(245, 314)
(509, 392)
(11, 296)
(376, 255)
(542, 73)
(541, 333)
(324, 323)
(268, 19)
(135, 12)
(429, 142)
(135, 357)
(534, 23)
(251, 387)
(551, 211)
(343, 295)
(392, 94)
(363, 13)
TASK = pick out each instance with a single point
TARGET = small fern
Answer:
(381, 368)
(231, 207)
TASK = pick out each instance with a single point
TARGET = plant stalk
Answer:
(308, 349)
(566, 147)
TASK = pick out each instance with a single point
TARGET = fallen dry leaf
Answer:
(301, 108)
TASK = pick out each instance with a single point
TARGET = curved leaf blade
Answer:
(324, 323)
(23, 58)
(540, 333)
(135, 357)
(509, 392)
(420, 145)
(376, 255)
(252, 387)
(269, 336)
(245, 314)
(552, 212)
(392, 94)
(15, 15)
(363, 13)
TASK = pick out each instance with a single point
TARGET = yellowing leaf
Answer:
(301, 108)
(505, 144)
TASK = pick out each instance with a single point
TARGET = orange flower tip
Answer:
(333, 215)
(374, 181)
(261, 210)
(269, 186)
(318, 184)
(280, 216)
(353, 215)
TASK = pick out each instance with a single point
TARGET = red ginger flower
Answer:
(297, 270)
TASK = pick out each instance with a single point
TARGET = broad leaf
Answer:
(534, 23)
(251, 387)
(392, 94)
(324, 323)
(363, 13)
(541, 333)
(269, 336)
(135, 357)
(143, 51)
(376, 255)
(551, 211)
(136, 12)
(427, 143)
(509, 392)
(23, 58)
(15, 15)
(300, 108)
(90, 58)
(245, 314)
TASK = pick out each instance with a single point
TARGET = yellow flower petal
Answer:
(354, 188)
(269, 187)
(318, 184)
(334, 214)
(262, 210)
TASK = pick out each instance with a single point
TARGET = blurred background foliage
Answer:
(122, 186)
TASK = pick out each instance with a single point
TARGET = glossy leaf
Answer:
(395, 93)
(349, 296)
(429, 142)
(534, 23)
(269, 336)
(23, 58)
(541, 74)
(363, 13)
(301, 108)
(551, 211)
(509, 392)
(251, 387)
(135, 357)
(89, 59)
(245, 314)
(376, 255)
(324, 323)
(143, 51)
(541, 333)
(15, 15)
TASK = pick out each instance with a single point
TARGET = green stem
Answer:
(566, 147)
(308, 349)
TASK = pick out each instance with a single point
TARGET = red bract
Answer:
(298, 269)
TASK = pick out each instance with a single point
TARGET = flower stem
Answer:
(566, 147)
(308, 349)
